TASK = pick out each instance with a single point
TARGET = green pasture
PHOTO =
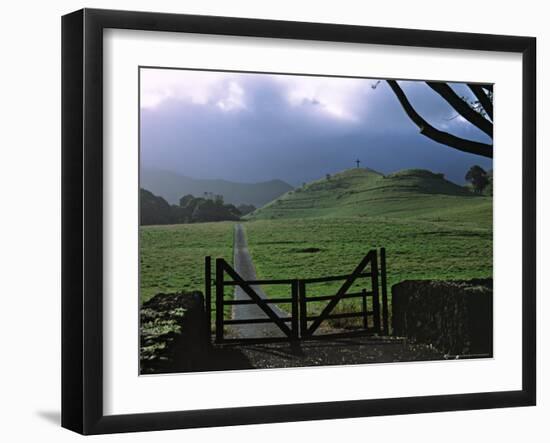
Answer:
(415, 249)
(172, 256)
(431, 229)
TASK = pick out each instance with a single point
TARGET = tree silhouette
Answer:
(478, 177)
(478, 112)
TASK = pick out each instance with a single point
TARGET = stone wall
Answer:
(454, 316)
(174, 333)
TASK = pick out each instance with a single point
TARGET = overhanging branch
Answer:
(429, 131)
(483, 98)
(463, 108)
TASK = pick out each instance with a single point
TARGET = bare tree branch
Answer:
(483, 98)
(463, 108)
(429, 131)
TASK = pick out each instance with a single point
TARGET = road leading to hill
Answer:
(244, 266)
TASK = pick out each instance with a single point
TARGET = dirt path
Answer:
(242, 262)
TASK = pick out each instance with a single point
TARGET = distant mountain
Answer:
(363, 192)
(172, 186)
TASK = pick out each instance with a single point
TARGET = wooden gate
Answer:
(298, 324)
(222, 269)
(377, 295)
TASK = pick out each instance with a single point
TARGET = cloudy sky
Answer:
(257, 127)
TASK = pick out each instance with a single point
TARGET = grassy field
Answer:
(172, 256)
(415, 249)
(431, 229)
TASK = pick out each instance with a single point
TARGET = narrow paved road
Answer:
(242, 262)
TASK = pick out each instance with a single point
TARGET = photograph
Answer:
(293, 220)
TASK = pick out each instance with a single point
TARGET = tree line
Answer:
(155, 210)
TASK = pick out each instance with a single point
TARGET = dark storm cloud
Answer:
(249, 128)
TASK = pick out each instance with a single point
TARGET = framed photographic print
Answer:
(269, 221)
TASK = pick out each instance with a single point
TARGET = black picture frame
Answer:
(82, 218)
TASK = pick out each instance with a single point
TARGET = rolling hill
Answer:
(172, 186)
(365, 192)
(431, 229)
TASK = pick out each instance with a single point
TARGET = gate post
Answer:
(375, 292)
(303, 308)
(384, 283)
(219, 300)
(208, 294)
(365, 314)
(294, 310)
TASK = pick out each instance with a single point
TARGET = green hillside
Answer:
(364, 192)
(431, 229)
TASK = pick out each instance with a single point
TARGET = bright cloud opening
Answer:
(196, 87)
(335, 98)
(339, 98)
(234, 99)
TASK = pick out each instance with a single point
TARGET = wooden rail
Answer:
(301, 325)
